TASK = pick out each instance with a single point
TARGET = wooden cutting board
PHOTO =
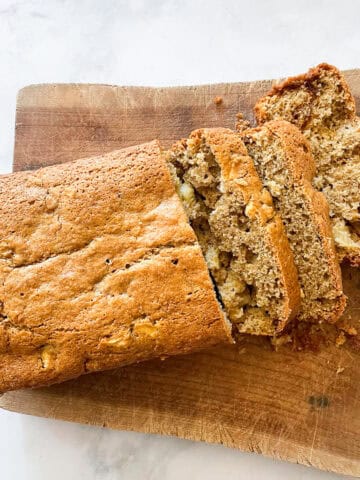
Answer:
(299, 406)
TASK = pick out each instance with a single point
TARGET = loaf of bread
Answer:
(321, 105)
(99, 268)
(242, 238)
(282, 158)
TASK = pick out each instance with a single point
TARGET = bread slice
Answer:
(282, 158)
(99, 268)
(321, 105)
(242, 238)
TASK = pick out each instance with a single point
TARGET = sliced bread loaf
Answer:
(99, 268)
(242, 238)
(282, 158)
(321, 105)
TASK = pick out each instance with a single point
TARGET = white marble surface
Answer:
(156, 42)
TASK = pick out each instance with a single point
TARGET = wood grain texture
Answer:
(288, 405)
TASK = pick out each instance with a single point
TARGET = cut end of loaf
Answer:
(234, 220)
(322, 89)
(321, 105)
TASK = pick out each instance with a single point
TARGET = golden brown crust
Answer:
(99, 268)
(224, 144)
(303, 171)
(319, 207)
(300, 167)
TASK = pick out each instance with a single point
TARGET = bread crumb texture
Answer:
(242, 238)
(322, 106)
(282, 157)
(99, 268)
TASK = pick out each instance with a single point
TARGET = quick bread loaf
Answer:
(242, 238)
(322, 106)
(143, 253)
(282, 158)
(99, 268)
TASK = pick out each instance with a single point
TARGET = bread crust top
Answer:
(99, 268)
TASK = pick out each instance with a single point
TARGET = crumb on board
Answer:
(241, 123)
(340, 340)
(340, 370)
(218, 100)
(281, 340)
(349, 330)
